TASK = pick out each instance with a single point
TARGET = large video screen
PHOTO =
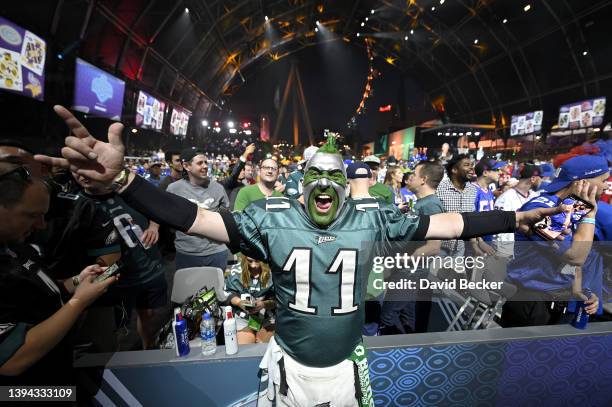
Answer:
(149, 112)
(97, 92)
(179, 121)
(22, 60)
(527, 123)
(588, 113)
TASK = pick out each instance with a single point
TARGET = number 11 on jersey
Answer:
(300, 262)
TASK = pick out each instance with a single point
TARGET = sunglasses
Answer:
(22, 172)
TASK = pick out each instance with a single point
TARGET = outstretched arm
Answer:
(103, 161)
(446, 226)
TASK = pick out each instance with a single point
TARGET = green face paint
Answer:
(323, 200)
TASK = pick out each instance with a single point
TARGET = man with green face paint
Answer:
(314, 254)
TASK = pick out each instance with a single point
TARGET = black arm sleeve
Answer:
(160, 206)
(422, 229)
(476, 224)
(232, 230)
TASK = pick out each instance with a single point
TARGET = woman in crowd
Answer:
(255, 318)
(393, 180)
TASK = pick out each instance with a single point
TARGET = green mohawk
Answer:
(330, 146)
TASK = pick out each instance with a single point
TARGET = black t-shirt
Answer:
(28, 296)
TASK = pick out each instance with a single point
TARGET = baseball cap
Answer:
(530, 170)
(308, 153)
(358, 170)
(581, 167)
(547, 170)
(372, 159)
(188, 153)
(488, 164)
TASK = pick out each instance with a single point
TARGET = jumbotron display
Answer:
(22, 60)
(149, 112)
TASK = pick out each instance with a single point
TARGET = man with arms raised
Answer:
(315, 258)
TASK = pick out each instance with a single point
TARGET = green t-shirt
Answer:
(319, 275)
(250, 194)
(379, 190)
(429, 205)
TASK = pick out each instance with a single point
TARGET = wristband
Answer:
(590, 221)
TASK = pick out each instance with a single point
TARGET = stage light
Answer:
(362, 24)
(217, 129)
(316, 29)
(230, 124)
(476, 41)
(477, 133)
(441, 2)
(134, 130)
(406, 38)
(433, 8)
(372, 11)
(60, 56)
(318, 22)
(232, 131)
(527, 8)
(186, 10)
(266, 17)
(246, 124)
(247, 132)
(585, 53)
(366, 18)
(412, 32)
(204, 123)
(358, 34)
(505, 20)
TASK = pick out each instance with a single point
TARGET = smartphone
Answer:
(247, 300)
(109, 272)
(552, 226)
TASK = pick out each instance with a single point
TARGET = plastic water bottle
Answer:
(207, 334)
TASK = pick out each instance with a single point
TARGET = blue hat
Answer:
(488, 164)
(548, 170)
(581, 167)
(358, 170)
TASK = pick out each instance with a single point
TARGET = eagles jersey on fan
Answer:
(319, 274)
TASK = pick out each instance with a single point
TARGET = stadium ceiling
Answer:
(477, 58)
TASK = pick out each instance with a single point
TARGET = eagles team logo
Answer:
(325, 239)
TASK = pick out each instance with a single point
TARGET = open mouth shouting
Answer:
(323, 202)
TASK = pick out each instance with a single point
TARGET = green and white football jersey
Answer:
(319, 274)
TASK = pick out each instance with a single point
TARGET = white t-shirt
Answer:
(511, 200)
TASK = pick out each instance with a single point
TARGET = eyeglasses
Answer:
(23, 173)
(266, 168)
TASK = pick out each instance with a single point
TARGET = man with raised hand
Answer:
(317, 272)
